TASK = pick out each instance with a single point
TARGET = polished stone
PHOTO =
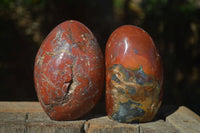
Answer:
(69, 71)
(134, 75)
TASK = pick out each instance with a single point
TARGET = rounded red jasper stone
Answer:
(134, 75)
(69, 71)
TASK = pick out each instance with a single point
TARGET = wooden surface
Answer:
(28, 117)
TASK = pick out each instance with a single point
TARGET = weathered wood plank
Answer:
(12, 128)
(159, 126)
(185, 120)
(29, 117)
(12, 122)
(22, 107)
(41, 123)
(106, 125)
(6, 117)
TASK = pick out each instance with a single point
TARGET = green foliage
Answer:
(5, 3)
(28, 3)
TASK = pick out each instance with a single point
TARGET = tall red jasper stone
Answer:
(69, 71)
(134, 76)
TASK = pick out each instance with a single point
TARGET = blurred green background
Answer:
(173, 24)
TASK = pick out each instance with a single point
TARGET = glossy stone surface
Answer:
(69, 71)
(134, 76)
